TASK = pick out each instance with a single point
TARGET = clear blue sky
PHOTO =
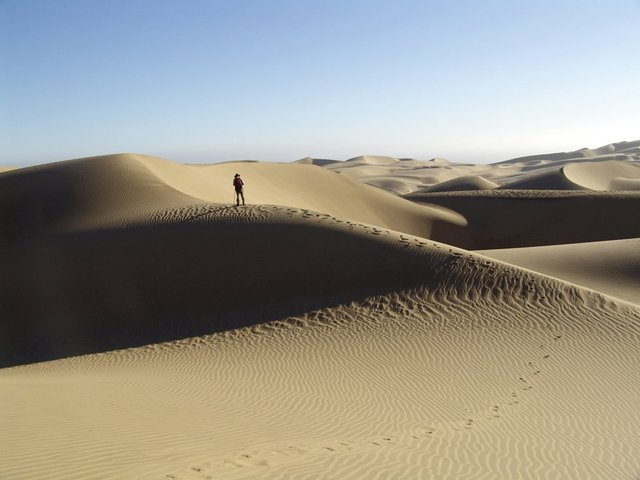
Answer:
(205, 81)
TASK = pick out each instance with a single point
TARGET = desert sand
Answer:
(370, 318)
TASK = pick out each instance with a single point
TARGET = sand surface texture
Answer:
(324, 330)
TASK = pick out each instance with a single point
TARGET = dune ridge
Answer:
(463, 183)
(428, 363)
(114, 190)
(188, 271)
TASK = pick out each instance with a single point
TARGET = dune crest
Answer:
(121, 189)
(606, 175)
(463, 183)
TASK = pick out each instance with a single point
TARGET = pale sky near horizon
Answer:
(208, 81)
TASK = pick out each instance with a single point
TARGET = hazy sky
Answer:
(206, 80)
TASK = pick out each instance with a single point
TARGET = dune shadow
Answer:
(526, 218)
(73, 294)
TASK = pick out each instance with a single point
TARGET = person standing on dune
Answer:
(239, 186)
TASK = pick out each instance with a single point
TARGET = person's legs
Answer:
(242, 195)
(237, 197)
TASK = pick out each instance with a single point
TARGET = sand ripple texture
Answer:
(493, 373)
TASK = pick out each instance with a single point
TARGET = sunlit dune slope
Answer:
(586, 175)
(462, 183)
(115, 190)
(611, 267)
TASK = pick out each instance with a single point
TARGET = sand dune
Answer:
(321, 162)
(139, 242)
(114, 190)
(601, 176)
(524, 218)
(325, 330)
(416, 383)
(187, 271)
(611, 267)
(398, 175)
(582, 153)
(465, 182)
(608, 175)
(610, 167)
(370, 160)
(554, 179)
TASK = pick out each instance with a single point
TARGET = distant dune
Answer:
(463, 183)
(334, 327)
(524, 218)
(611, 167)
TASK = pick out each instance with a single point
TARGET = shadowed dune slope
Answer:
(187, 271)
(427, 382)
(551, 179)
(524, 218)
(611, 267)
(117, 190)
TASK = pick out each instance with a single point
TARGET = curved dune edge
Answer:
(465, 182)
(555, 179)
(397, 185)
(486, 357)
(607, 175)
(113, 190)
(601, 175)
(609, 267)
(307, 187)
